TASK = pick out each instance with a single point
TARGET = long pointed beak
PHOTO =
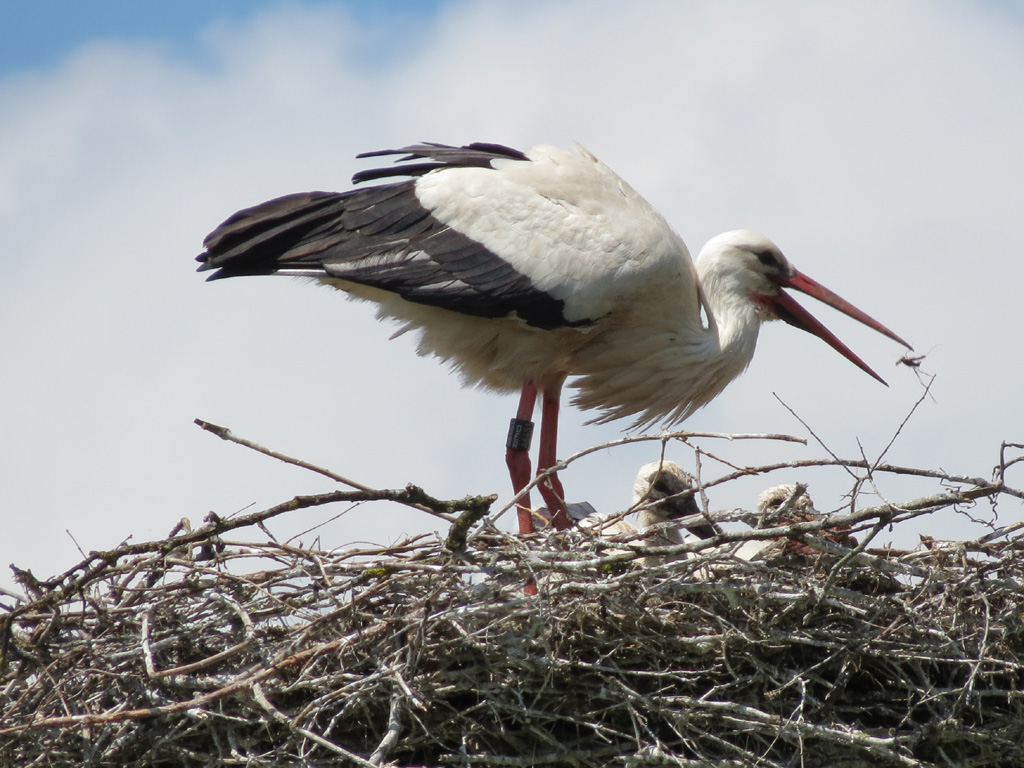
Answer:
(786, 308)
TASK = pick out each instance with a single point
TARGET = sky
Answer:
(877, 143)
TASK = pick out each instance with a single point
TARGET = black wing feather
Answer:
(382, 236)
(476, 155)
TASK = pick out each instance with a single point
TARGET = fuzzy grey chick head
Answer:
(666, 490)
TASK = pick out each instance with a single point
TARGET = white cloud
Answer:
(878, 143)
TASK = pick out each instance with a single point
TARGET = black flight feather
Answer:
(382, 236)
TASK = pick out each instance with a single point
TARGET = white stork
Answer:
(782, 505)
(663, 491)
(662, 495)
(521, 269)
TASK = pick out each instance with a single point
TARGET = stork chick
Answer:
(662, 493)
(777, 506)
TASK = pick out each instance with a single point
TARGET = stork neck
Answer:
(733, 317)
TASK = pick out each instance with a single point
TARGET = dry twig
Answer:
(203, 650)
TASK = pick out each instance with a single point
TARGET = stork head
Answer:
(782, 505)
(666, 492)
(747, 268)
(659, 485)
(772, 500)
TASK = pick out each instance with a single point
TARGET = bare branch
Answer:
(226, 434)
(206, 648)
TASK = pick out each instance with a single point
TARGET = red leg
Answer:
(517, 454)
(551, 488)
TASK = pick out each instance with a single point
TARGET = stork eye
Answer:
(661, 485)
(767, 258)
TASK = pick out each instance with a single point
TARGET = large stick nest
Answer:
(205, 649)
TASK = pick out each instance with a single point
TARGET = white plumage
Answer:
(523, 269)
(664, 502)
(663, 494)
(584, 238)
(773, 510)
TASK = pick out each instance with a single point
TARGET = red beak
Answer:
(785, 308)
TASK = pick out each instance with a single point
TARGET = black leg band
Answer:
(520, 433)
